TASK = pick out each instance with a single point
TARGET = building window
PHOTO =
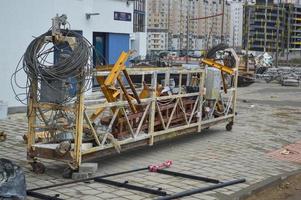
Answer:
(139, 16)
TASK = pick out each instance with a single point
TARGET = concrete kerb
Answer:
(258, 187)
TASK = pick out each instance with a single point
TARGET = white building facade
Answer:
(138, 38)
(106, 28)
(185, 24)
(157, 25)
(236, 24)
(157, 40)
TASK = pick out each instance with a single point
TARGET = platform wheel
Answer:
(38, 167)
(229, 126)
(67, 173)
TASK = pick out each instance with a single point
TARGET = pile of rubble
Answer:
(286, 76)
(264, 60)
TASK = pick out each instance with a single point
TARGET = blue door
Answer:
(99, 53)
(107, 48)
(117, 42)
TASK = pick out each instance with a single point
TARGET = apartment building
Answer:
(272, 27)
(180, 24)
(203, 32)
(157, 25)
(236, 23)
(294, 27)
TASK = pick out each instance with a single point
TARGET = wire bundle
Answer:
(38, 63)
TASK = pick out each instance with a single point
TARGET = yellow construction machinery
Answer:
(138, 107)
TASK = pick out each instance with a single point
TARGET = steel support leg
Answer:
(131, 187)
(88, 179)
(199, 178)
(42, 196)
(200, 190)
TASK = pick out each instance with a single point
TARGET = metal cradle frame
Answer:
(107, 144)
(163, 195)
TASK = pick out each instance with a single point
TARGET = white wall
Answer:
(20, 20)
(138, 43)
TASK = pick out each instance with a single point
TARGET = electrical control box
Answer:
(213, 83)
(56, 91)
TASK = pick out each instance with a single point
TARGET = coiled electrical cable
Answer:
(74, 63)
(36, 64)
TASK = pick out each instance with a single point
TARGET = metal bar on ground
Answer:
(88, 179)
(131, 187)
(203, 189)
(42, 196)
(199, 178)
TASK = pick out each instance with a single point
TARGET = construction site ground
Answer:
(288, 189)
(268, 118)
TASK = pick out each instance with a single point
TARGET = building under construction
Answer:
(272, 27)
(168, 27)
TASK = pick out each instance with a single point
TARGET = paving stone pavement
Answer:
(268, 118)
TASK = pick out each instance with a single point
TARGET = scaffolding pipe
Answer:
(204, 189)
(277, 34)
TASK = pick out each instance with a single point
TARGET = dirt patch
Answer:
(289, 189)
(285, 114)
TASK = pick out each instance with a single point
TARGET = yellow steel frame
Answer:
(213, 63)
(150, 101)
(107, 84)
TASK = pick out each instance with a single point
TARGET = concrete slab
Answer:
(90, 168)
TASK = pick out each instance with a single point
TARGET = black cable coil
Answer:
(38, 63)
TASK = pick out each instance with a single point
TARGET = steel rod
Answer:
(87, 179)
(131, 187)
(200, 190)
(42, 196)
(136, 96)
(199, 178)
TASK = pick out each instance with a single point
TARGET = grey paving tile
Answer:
(215, 153)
